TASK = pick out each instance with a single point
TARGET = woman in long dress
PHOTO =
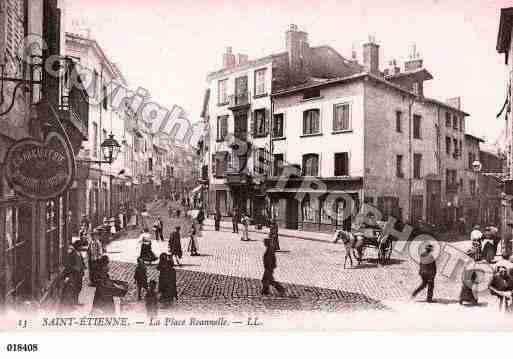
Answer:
(103, 299)
(175, 245)
(167, 279)
(146, 254)
(245, 232)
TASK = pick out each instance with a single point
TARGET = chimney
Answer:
(228, 59)
(393, 69)
(242, 59)
(371, 56)
(415, 62)
(454, 102)
(353, 55)
(298, 54)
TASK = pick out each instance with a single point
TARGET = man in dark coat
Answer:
(159, 230)
(427, 273)
(235, 221)
(269, 267)
(217, 219)
(175, 245)
(74, 268)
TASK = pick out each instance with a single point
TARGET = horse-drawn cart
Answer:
(372, 237)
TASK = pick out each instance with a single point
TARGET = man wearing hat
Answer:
(427, 272)
(94, 254)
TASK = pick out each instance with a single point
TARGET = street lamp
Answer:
(110, 149)
(476, 166)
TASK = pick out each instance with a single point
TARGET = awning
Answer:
(196, 189)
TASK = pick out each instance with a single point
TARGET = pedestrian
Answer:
(476, 236)
(146, 253)
(141, 277)
(235, 221)
(170, 211)
(151, 300)
(427, 272)
(175, 245)
(74, 268)
(467, 293)
(192, 246)
(167, 279)
(273, 233)
(95, 251)
(67, 295)
(103, 300)
(245, 222)
(269, 259)
(217, 219)
(159, 228)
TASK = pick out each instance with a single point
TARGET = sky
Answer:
(168, 47)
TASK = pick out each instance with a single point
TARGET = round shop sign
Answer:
(40, 170)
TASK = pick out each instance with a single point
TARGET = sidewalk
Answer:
(290, 233)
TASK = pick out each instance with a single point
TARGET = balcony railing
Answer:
(74, 108)
(239, 100)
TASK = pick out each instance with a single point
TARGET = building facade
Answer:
(35, 234)
(334, 127)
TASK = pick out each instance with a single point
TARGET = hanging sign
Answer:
(41, 170)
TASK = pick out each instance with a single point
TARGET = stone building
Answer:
(366, 133)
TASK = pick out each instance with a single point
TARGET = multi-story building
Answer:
(351, 129)
(101, 187)
(35, 233)
(505, 46)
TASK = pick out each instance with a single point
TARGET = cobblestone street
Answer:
(225, 278)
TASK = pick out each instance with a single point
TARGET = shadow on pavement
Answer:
(241, 292)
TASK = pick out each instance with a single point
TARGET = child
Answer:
(141, 277)
(151, 300)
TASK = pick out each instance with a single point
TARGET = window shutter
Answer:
(252, 123)
(267, 120)
(213, 163)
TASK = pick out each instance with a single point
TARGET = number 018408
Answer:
(22, 347)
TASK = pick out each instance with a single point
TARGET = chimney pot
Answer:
(371, 57)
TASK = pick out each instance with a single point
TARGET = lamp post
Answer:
(476, 166)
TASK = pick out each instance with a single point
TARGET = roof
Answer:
(504, 34)
(420, 74)
(443, 104)
(113, 68)
(478, 139)
(313, 83)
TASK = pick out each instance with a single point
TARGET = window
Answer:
(455, 121)
(460, 151)
(342, 164)
(311, 164)
(447, 119)
(222, 95)
(311, 122)
(220, 164)
(417, 165)
(260, 160)
(278, 125)
(399, 166)
(260, 126)
(455, 154)
(150, 164)
(222, 127)
(471, 159)
(451, 179)
(448, 145)
(95, 140)
(342, 117)
(260, 88)
(462, 125)
(416, 88)
(311, 93)
(472, 187)
(278, 164)
(398, 121)
(416, 126)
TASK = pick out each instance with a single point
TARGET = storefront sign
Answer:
(40, 170)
